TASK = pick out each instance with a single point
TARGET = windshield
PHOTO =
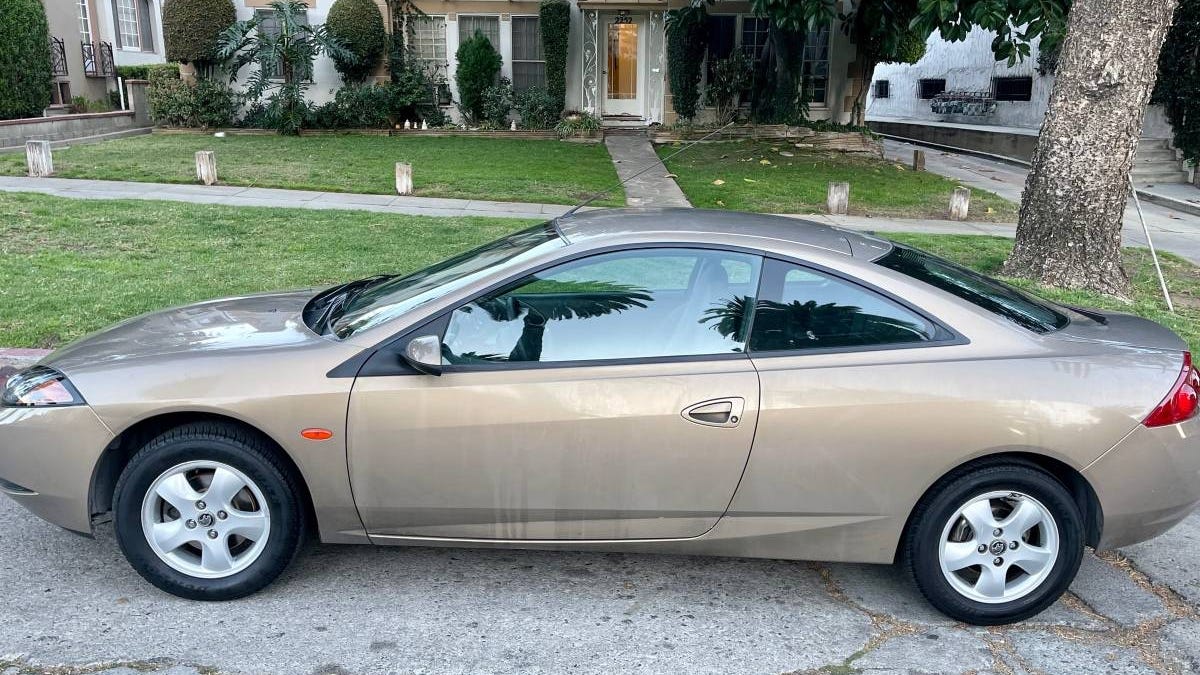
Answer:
(385, 301)
(994, 296)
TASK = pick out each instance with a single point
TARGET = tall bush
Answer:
(556, 28)
(191, 28)
(359, 26)
(25, 78)
(730, 77)
(478, 68)
(687, 40)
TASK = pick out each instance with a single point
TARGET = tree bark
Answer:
(1069, 231)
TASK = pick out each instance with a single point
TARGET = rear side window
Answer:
(800, 308)
(995, 296)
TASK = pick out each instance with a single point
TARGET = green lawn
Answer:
(501, 169)
(754, 176)
(68, 267)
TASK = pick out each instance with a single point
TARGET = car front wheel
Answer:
(207, 512)
(996, 544)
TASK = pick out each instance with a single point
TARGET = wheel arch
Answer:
(116, 455)
(1076, 484)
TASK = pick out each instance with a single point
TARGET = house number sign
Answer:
(623, 17)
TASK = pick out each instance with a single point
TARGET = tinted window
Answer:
(1013, 88)
(801, 308)
(994, 296)
(882, 89)
(630, 304)
(931, 88)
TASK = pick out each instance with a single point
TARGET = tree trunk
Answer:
(1069, 232)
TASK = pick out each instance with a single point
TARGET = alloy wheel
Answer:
(998, 547)
(206, 519)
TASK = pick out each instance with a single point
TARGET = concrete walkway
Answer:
(1172, 230)
(632, 153)
(230, 195)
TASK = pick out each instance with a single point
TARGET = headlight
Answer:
(40, 386)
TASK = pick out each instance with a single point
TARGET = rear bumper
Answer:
(1149, 482)
(47, 456)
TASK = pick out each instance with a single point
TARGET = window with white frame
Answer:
(488, 25)
(129, 32)
(85, 22)
(528, 62)
(429, 42)
(816, 64)
(755, 34)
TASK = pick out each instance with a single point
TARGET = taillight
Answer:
(1181, 404)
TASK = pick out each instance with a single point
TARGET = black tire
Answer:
(929, 519)
(230, 445)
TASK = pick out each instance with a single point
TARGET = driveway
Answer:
(1172, 230)
(72, 605)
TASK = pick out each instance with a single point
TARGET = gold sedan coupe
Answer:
(677, 381)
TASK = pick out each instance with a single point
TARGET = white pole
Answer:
(121, 90)
(1162, 281)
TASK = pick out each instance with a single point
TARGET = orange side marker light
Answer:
(317, 434)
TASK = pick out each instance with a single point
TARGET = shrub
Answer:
(149, 71)
(497, 103)
(83, 104)
(730, 76)
(359, 25)
(190, 29)
(207, 103)
(478, 66)
(537, 108)
(577, 124)
(687, 40)
(556, 28)
(25, 79)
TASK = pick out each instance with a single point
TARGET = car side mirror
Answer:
(425, 354)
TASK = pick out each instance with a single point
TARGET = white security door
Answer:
(624, 40)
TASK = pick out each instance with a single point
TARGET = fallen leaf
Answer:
(764, 162)
(718, 182)
(749, 180)
(670, 175)
(720, 203)
(785, 153)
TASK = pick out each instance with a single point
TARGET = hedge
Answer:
(687, 41)
(149, 71)
(190, 28)
(556, 29)
(25, 73)
(359, 25)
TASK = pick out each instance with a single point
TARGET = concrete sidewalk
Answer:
(632, 153)
(230, 195)
(1171, 230)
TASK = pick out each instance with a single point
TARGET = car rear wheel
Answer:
(207, 512)
(996, 544)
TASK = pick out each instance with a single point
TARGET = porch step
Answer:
(1155, 175)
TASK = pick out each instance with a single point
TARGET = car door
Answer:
(608, 397)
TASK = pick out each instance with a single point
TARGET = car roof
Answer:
(670, 223)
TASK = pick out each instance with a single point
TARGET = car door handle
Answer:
(720, 412)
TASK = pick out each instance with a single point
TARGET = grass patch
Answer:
(499, 169)
(798, 184)
(69, 267)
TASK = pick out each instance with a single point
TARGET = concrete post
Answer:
(960, 203)
(38, 159)
(838, 199)
(918, 160)
(138, 101)
(404, 178)
(206, 167)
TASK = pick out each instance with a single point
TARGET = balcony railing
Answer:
(98, 60)
(58, 57)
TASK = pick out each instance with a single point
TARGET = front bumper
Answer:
(1148, 483)
(47, 456)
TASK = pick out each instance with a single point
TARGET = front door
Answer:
(606, 398)
(624, 39)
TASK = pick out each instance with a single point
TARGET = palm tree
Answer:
(285, 50)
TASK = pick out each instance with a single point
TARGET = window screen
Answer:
(488, 25)
(528, 64)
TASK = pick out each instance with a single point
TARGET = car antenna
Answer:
(643, 170)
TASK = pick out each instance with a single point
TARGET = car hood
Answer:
(243, 324)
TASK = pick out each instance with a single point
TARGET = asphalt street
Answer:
(72, 605)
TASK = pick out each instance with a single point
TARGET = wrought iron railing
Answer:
(98, 60)
(58, 57)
